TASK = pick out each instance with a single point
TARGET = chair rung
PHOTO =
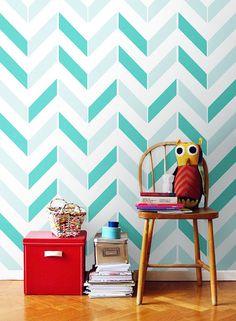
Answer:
(204, 265)
(175, 265)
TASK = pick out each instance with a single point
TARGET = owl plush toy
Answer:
(188, 181)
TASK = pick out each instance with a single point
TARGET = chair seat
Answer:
(200, 213)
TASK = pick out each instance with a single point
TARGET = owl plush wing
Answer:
(174, 174)
(201, 171)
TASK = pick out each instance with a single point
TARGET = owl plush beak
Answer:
(188, 162)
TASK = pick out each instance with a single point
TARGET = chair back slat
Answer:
(164, 159)
(153, 180)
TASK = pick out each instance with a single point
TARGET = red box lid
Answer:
(49, 237)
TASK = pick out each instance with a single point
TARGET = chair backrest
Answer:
(164, 147)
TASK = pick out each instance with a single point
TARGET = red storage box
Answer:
(53, 265)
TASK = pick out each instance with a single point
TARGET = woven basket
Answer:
(65, 218)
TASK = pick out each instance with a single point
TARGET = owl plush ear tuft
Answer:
(200, 150)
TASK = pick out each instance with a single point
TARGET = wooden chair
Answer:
(204, 213)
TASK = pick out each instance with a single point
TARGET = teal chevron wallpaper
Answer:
(86, 86)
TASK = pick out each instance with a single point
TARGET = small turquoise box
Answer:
(110, 232)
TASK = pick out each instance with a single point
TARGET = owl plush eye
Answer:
(192, 150)
(179, 151)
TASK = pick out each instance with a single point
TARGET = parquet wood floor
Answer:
(163, 301)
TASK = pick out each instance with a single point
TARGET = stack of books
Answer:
(161, 202)
(110, 280)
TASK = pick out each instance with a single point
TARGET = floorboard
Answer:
(163, 301)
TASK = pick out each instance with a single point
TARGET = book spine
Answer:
(159, 206)
(105, 273)
(154, 194)
(159, 200)
(178, 205)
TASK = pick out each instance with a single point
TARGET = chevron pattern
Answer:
(86, 87)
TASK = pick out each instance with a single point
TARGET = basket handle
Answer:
(79, 207)
(58, 199)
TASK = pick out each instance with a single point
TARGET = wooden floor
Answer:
(163, 301)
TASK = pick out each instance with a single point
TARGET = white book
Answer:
(113, 267)
(93, 273)
(111, 289)
(108, 295)
(109, 278)
(110, 285)
(159, 199)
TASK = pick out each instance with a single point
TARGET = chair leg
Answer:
(212, 263)
(149, 241)
(143, 263)
(197, 251)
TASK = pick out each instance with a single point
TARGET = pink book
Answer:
(159, 206)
